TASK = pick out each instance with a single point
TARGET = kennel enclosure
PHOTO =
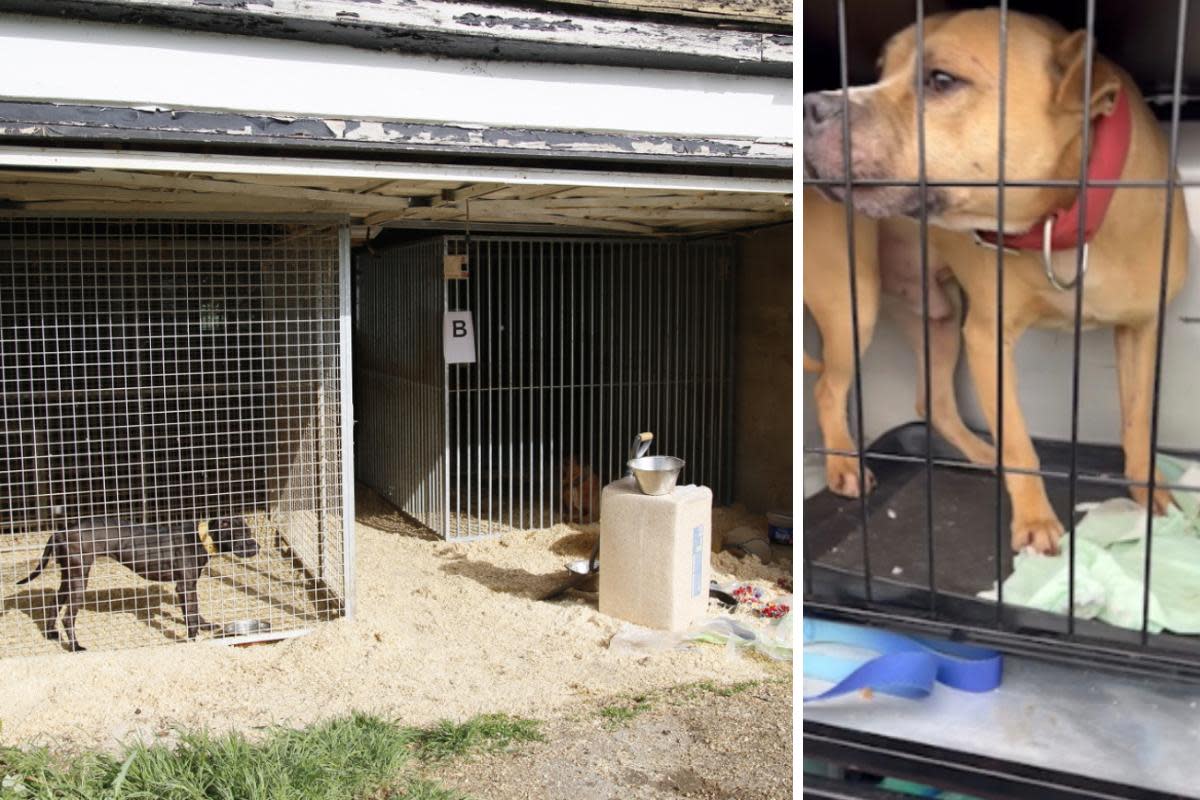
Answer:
(579, 344)
(170, 370)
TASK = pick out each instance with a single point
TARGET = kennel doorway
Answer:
(168, 371)
(579, 345)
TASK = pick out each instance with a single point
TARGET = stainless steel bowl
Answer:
(246, 627)
(580, 567)
(656, 475)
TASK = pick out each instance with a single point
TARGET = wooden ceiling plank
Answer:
(133, 181)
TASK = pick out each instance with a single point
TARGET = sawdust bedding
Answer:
(121, 610)
(441, 631)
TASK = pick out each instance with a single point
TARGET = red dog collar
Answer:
(1110, 146)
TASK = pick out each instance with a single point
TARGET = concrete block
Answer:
(654, 555)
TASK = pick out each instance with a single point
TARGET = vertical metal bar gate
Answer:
(579, 344)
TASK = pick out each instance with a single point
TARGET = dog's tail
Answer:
(811, 364)
(47, 554)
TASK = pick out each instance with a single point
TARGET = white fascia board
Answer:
(202, 163)
(45, 59)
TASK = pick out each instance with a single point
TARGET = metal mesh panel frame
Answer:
(159, 372)
(580, 344)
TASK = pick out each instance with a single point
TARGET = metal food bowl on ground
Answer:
(656, 475)
(246, 627)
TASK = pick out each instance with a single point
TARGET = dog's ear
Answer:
(1069, 56)
(896, 49)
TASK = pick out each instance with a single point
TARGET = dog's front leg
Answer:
(1135, 378)
(832, 389)
(831, 392)
(186, 592)
(1034, 522)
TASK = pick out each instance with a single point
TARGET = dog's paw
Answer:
(1042, 535)
(841, 474)
(76, 647)
(1162, 498)
(52, 635)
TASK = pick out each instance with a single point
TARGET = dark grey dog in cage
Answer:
(176, 553)
(1135, 237)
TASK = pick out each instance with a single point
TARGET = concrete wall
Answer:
(763, 372)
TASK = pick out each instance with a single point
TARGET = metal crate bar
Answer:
(1073, 475)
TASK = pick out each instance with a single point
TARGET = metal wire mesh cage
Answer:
(172, 401)
(578, 345)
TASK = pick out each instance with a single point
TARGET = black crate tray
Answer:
(964, 545)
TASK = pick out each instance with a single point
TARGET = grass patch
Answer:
(417, 789)
(345, 759)
(726, 691)
(485, 733)
(621, 713)
(338, 760)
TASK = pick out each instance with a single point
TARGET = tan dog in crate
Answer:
(888, 273)
(1045, 103)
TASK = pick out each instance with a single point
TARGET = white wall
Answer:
(1044, 366)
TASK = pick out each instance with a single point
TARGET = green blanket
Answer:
(1110, 563)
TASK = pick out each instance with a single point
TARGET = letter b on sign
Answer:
(458, 338)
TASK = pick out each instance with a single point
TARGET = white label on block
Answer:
(697, 558)
(459, 338)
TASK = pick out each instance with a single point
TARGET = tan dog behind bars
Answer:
(1045, 104)
(580, 492)
(887, 262)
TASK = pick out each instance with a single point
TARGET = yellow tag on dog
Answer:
(205, 539)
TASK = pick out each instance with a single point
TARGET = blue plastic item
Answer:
(907, 666)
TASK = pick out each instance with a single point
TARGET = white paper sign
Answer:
(458, 336)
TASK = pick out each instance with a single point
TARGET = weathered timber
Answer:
(480, 30)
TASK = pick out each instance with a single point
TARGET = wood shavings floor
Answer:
(123, 611)
(442, 631)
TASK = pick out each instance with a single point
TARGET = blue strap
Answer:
(907, 666)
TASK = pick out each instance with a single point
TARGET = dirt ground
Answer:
(441, 631)
(689, 743)
(122, 611)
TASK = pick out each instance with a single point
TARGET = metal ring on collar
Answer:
(1049, 265)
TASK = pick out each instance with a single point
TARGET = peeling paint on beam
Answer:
(455, 29)
(133, 125)
(494, 21)
(149, 67)
(777, 12)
